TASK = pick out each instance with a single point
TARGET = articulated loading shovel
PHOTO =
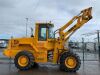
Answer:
(44, 47)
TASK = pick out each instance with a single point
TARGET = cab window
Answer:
(42, 33)
(51, 33)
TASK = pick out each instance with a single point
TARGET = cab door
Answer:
(41, 43)
(42, 34)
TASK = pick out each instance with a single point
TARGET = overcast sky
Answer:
(13, 14)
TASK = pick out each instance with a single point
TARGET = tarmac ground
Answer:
(87, 68)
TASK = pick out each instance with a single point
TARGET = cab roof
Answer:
(48, 24)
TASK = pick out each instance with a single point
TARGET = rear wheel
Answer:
(70, 62)
(24, 60)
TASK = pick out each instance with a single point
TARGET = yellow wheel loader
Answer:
(44, 46)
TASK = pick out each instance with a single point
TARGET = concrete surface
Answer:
(88, 68)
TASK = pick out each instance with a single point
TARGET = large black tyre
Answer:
(30, 58)
(63, 58)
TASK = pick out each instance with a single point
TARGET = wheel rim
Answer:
(23, 61)
(70, 62)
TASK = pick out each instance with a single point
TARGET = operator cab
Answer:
(45, 31)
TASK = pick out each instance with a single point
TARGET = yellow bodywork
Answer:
(40, 49)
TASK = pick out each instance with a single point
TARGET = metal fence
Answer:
(88, 51)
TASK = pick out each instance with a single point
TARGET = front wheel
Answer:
(70, 62)
(24, 60)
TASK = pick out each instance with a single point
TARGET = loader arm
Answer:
(81, 19)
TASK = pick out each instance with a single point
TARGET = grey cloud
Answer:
(7, 3)
(14, 12)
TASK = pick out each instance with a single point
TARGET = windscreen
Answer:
(51, 33)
